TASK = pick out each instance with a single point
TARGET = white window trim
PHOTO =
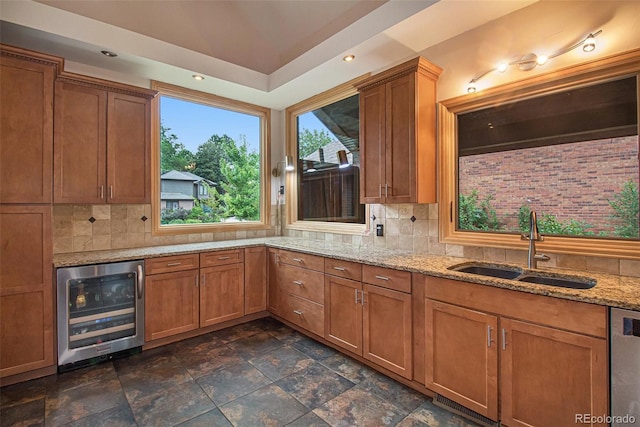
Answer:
(265, 162)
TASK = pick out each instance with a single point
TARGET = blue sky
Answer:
(193, 123)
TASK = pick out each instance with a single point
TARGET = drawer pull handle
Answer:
(356, 296)
(489, 336)
(298, 312)
(297, 259)
(297, 282)
(382, 278)
(339, 268)
(504, 339)
(173, 264)
(222, 258)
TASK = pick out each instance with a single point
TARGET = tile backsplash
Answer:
(412, 227)
(78, 228)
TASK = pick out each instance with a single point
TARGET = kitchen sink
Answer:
(520, 275)
(563, 282)
(487, 270)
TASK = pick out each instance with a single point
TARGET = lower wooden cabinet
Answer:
(563, 372)
(370, 321)
(273, 288)
(255, 279)
(462, 356)
(544, 359)
(26, 288)
(171, 304)
(221, 293)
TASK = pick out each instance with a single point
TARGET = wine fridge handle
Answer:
(140, 281)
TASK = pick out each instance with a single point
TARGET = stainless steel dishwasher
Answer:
(625, 367)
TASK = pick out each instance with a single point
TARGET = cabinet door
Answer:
(549, 376)
(461, 358)
(128, 149)
(273, 290)
(26, 129)
(26, 300)
(221, 293)
(255, 280)
(170, 304)
(80, 144)
(372, 146)
(343, 313)
(400, 137)
(387, 329)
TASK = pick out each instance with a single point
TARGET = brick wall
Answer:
(572, 181)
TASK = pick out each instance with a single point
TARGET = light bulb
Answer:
(502, 67)
(589, 43)
(471, 88)
(542, 59)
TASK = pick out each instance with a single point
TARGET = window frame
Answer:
(191, 95)
(338, 93)
(608, 68)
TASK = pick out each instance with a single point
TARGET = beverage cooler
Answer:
(100, 312)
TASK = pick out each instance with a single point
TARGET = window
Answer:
(565, 146)
(211, 162)
(323, 135)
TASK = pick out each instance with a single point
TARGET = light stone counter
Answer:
(610, 290)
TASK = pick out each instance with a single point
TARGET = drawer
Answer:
(387, 278)
(312, 262)
(302, 282)
(169, 264)
(302, 312)
(211, 259)
(347, 269)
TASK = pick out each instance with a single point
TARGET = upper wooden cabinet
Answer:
(102, 142)
(398, 134)
(26, 125)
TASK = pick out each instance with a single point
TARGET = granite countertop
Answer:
(610, 290)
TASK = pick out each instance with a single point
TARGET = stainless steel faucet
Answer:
(533, 237)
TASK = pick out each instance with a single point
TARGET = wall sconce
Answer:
(288, 166)
(531, 60)
(343, 162)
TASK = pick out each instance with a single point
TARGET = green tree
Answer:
(173, 154)
(626, 212)
(240, 169)
(209, 156)
(310, 141)
(472, 216)
(550, 224)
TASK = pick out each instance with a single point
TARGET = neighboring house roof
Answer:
(175, 196)
(184, 176)
(330, 153)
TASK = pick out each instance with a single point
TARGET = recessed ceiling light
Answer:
(198, 77)
(349, 58)
(109, 53)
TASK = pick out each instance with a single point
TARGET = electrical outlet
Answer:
(379, 229)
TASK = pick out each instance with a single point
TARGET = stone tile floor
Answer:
(260, 373)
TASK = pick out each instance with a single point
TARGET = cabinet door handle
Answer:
(297, 282)
(356, 296)
(197, 280)
(222, 258)
(101, 191)
(140, 281)
(339, 268)
(111, 191)
(504, 339)
(488, 336)
(173, 264)
(298, 312)
(386, 190)
(382, 278)
(363, 297)
(297, 259)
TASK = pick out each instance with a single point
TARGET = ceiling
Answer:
(269, 52)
